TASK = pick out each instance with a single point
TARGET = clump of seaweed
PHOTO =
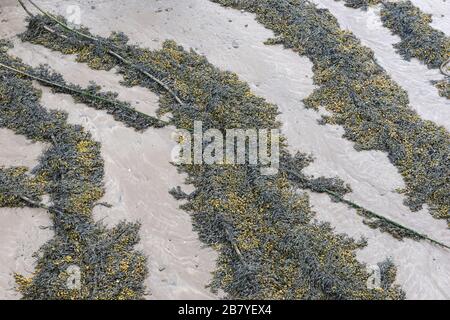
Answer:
(71, 172)
(383, 225)
(371, 107)
(387, 272)
(269, 245)
(91, 96)
(361, 4)
(292, 166)
(109, 267)
(443, 87)
(418, 39)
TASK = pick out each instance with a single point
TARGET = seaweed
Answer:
(443, 87)
(269, 245)
(109, 267)
(418, 39)
(71, 172)
(387, 226)
(361, 4)
(387, 273)
(292, 166)
(362, 98)
(16, 185)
